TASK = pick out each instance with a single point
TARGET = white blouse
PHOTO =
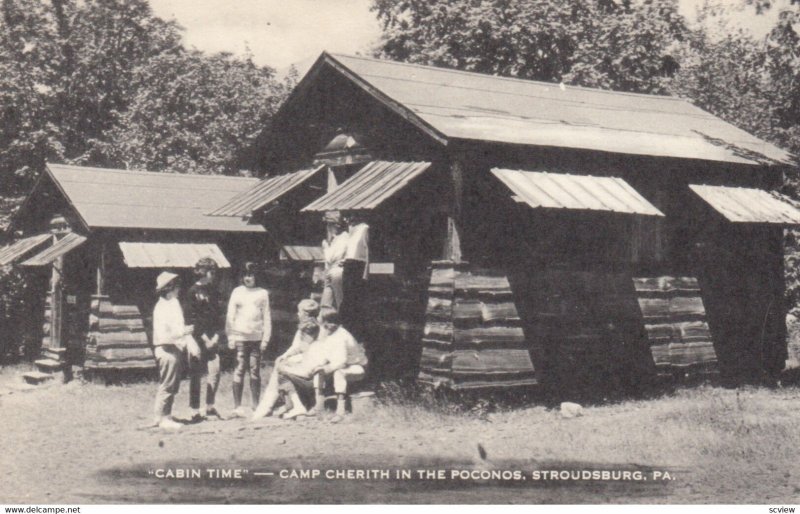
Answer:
(169, 326)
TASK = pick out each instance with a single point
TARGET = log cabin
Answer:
(521, 233)
(528, 233)
(93, 241)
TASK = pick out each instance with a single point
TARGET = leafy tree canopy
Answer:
(194, 113)
(106, 82)
(612, 44)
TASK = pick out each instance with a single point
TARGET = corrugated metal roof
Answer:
(474, 106)
(264, 193)
(61, 247)
(170, 255)
(370, 186)
(18, 249)
(302, 253)
(579, 192)
(746, 205)
(110, 198)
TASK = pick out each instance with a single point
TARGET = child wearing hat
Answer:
(249, 328)
(170, 338)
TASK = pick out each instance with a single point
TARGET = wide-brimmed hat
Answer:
(308, 306)
(332, 217)
(164, 279)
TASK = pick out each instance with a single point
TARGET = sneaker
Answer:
(211, 411)
(280, 411)
(337, 419)
(197, 418)
(240, 412)
(169, 424)
(297, 411)
(259, 415)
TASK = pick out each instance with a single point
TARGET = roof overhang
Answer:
(170, 255)
(61, 247)
(748, 205)
(301, 253)
(19, 249)
(558, 191)
(369, 187)
(265, 193)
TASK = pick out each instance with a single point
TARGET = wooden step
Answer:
(363, 401)
(36, 377)
(50, 365)
(58, 354)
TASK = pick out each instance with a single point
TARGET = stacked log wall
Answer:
(117, 338)
(676, 325)
(473, 335)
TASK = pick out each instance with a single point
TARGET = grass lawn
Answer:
(83, 443)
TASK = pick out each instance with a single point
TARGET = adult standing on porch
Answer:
(249, 328)
(171, 336)
(334, 249)
(204, 311)
(355, 273)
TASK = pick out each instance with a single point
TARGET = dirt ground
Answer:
(83, 443)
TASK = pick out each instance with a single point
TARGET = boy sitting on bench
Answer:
(336, 354)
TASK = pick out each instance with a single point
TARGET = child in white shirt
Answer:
(249, 328)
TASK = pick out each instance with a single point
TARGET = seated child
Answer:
(336, 354)
(307, 329)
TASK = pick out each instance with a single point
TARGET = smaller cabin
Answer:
(93, 240)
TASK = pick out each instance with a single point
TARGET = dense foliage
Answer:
(107, 83)
(194, 113)
(600, 43)
(99, 81)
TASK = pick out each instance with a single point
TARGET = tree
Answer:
(27, 75)
(194, 113)
(727, 77)
(102, 43)
(618, 44)
(66, 70)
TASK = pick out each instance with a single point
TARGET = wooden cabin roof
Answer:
(109, 198)
(264, 193)
(61, 247)
(20, 248)
(369, 187)
(456, 105)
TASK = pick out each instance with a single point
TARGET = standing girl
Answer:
(249, 328)
(171, 336)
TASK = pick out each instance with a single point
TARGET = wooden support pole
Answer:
(101, 269)
(56, 309)
(452, 249)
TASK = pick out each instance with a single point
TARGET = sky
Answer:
(281, 33)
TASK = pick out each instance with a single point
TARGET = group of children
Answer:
(322, 349)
